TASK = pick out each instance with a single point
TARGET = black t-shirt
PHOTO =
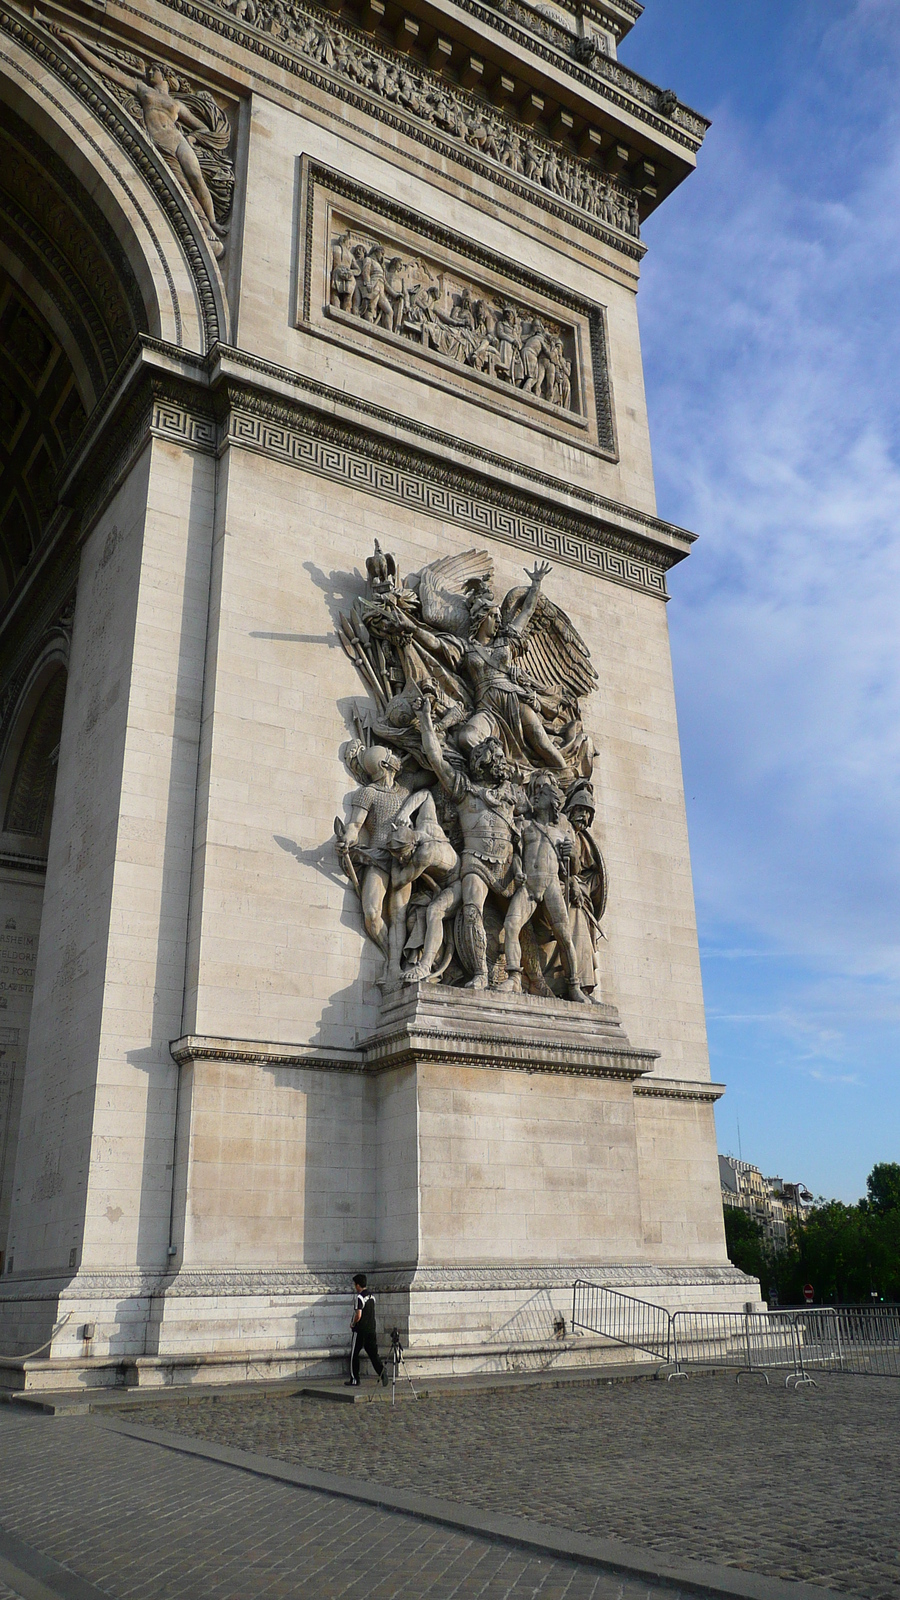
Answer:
(365, 1305)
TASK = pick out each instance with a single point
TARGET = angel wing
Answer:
(554, 653)
(441, 589)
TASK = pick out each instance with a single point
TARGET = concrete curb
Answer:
(65, 1402)
(38, 1577)
(697, 1577)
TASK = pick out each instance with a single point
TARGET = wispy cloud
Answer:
(770, 328)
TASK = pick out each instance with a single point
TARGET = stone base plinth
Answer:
(262, 1327)
(476, 1154)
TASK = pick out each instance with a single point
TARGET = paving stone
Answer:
(144, 1523)
(803, 1486)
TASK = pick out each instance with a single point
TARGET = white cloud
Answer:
(770, 324)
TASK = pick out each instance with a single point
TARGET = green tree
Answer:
(747, 1246)
(848, 1253)
(883, 1188)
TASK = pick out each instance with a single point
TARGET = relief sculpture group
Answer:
(496, 338)
(469, 839)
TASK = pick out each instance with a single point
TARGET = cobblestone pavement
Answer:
(142, 1522)
(796, 1485)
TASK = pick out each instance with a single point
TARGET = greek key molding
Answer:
(481, 512)
(171, 420)
(236, 389)
(596, 506)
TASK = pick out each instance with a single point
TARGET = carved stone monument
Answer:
(347, 917)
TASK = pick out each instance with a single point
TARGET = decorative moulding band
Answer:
(232, 399)
(193, 1047)
(387, 1052)
(297, 1282)
(454, 498)
(678, 1089)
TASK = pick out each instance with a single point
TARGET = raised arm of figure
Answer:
(526, 610)
(105, 68)
(434, 755)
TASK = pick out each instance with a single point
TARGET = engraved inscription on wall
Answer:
(450, 317)
(18, 954)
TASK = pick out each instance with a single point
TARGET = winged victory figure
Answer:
(474, 696)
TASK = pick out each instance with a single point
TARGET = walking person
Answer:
(363, 1335)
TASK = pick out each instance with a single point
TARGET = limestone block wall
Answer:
(21, 895)
(681, 1202)
(526, 1167)
(277, 947)
(97, 1121)
(275, 1167)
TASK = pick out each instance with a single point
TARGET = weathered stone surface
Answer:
(236, 429)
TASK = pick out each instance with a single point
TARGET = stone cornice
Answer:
(231, 400)
(427, 1023)
(258, 1053)
(522, 32)
(334, 66)
(679, 1089)
(392, 1050)
(627, 90)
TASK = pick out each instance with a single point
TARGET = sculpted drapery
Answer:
(469, 839)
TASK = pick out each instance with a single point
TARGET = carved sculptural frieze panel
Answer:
(396, 84)
(450, 316)
(186, 126)
(409, 292)
(469, 839)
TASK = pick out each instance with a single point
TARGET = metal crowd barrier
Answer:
(855, 1339)
(861, 1340)
(743, 1341)
(636, 1324)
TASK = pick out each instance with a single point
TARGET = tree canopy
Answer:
(848, 1253)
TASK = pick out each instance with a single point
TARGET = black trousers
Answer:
(360, 1341)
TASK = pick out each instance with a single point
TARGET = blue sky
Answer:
(770, 318)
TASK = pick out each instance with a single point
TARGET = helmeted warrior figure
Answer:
(474, 699)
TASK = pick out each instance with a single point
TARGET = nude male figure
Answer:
(548, 843)
(488, 805)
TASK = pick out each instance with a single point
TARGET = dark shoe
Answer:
(351, 1383)
(384, 1377)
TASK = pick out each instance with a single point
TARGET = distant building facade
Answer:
(769, 1201)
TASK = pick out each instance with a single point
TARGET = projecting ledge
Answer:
(468, 1027)
(484, 1027)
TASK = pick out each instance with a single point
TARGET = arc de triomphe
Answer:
(347, 915)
